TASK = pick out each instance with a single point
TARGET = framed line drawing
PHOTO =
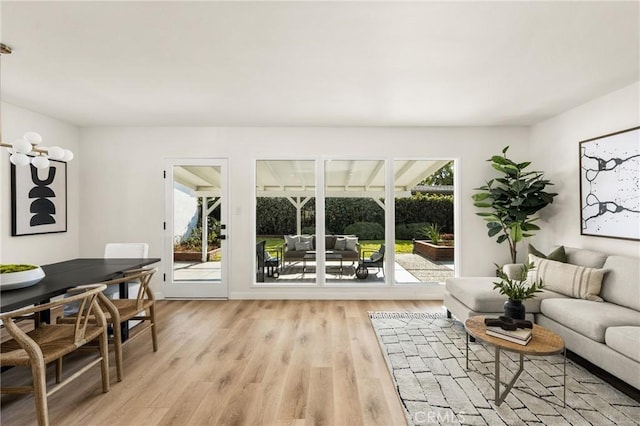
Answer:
(39, 199)
(610, 185)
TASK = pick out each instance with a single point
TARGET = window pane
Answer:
(354, 221)
(423, 210)
(285, 221)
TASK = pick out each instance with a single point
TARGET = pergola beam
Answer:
(298, 204)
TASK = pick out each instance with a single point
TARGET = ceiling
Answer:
(447, 63)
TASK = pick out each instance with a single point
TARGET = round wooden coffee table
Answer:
(543, 342)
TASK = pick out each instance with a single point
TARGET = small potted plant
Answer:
(517, 290)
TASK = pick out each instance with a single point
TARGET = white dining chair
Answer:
(117, 251)
(124, 251)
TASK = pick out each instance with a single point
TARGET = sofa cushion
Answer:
(307, 239)
(621, 285)
(303, 246)
(572, 280)
(347, 254)
(352, 243)
(625, 340)
(558, 254)
(477, 294)
(291, 240)
(583, 257)
(329, 242)
(589, 318)
(341, 243)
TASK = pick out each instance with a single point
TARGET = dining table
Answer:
(61, 276)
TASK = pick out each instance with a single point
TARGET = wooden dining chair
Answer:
(117, 311)
(50, 342)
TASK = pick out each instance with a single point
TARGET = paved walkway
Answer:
(409, 268)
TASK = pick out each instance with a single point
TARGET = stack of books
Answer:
(521, 336)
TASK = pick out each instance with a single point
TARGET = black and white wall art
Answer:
(39, 199)
(610, 185)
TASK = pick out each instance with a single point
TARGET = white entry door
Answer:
(196, 228)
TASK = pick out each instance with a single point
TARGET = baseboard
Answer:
(340, 293)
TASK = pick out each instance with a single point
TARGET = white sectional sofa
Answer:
(606, 333)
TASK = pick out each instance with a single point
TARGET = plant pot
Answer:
(514, 309)
(13, 280)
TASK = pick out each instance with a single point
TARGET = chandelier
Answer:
(26, 151)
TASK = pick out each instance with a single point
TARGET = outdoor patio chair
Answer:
(266, 262)
(260, 250)
(272, 264)
(375, 260)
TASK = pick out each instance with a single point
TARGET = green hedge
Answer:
(426, 209)
(366, 230)
(277, 216)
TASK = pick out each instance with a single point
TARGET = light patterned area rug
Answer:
(426, 356)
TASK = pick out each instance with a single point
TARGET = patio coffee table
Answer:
(328, 255)
(543, 342)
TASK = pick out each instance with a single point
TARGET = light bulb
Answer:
(68, 155)
(33, 138)
(21, 146)
(19, 159)
(40, 162)
(56, 153)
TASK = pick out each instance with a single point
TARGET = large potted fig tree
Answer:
(510, 201)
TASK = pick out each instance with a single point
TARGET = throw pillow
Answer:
(352, 243)
(571, 280)
(341, 243)
(290, 241)
(376, 256)
(558, 254)
(307, 239)
(303, 245)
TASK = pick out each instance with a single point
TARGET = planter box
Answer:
(192, 256)
(432, 251)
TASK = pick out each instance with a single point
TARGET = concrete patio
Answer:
(409, 268)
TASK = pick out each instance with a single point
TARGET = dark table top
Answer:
(63, 275)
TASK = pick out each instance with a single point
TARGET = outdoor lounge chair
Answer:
(375, 260)
(265, 261)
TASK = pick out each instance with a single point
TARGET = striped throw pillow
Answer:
(571, 280)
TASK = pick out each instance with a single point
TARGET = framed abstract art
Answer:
(39, 199)
(610, 185)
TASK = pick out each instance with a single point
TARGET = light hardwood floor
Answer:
(257, 362)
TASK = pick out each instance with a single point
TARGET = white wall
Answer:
(122, 187)
(554, 145)
(121, 194)
(185, 213)
(45, 248)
